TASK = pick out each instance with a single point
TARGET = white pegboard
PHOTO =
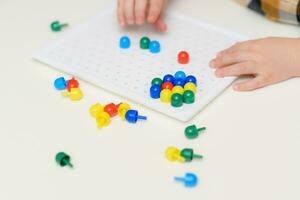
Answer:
(91, 52)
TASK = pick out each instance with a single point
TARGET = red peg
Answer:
(167, 85)
(183, 57)
(111, 109)
(73, 83)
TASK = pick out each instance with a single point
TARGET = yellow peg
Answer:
(178, 90)
(75, 94)
(165, 95)
(122, 110)
(96, 109)
(190, 86)
(173, 154)
(103, 119)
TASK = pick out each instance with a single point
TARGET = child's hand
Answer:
(136, 12)
(269, 60)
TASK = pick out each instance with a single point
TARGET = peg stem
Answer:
(142, 117)
(201, 129)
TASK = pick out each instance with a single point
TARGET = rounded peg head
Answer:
(155, 91)
(192, 132)
(73, 83)
(111, 109)
(156, 81)
(169, 78)
(96, 109)
(180, 74)
(63, 159)
(183, 57)
(60, 83)
(189, 155)
(124, 42)
(188, 97)
(189, 180)
(132, 116)
(190, 86)
(154, 47)
(103, 119)
(191, 79)
(122, 110)
(165, 96)
(179, 82)
(144, 43)
(173, 154)
(178, 90)
(75, 94)
(167, 85)
(57, 26)
(177, 100)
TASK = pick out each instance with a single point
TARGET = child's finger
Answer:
(160, 24)
(120, 13)
(140, 11)
(244, 68)
(155, 10)
(252, 84)
(231, 58)
(239, 46)
(129, 11)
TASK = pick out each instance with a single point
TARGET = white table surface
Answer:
(251, 147)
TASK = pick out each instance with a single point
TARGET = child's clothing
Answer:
(277, 10)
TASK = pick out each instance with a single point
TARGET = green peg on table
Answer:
(189, 155)
(57, 26)
(192, 132)
(63, 159)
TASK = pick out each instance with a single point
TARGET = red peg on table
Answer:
(73, 83)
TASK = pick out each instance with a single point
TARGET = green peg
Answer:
(63, 159)
(176, 100)
(188, 97)
(156, 81)
(192, 132)
(144, 43)
(57, 26)
(189, 155)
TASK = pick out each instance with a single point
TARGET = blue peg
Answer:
(132, 116)
(168, 78)
(154, 47)
(124, 42)
(189, 180)
(179, 81)
(180, 74)
(191, 79)
(60, 83)
(155, 91)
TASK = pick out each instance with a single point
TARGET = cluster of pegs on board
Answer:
(176, 90)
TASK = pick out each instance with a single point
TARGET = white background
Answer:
(251, 147)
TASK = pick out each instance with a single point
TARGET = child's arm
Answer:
(287, 11)
(136, 12)
(268, 60)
